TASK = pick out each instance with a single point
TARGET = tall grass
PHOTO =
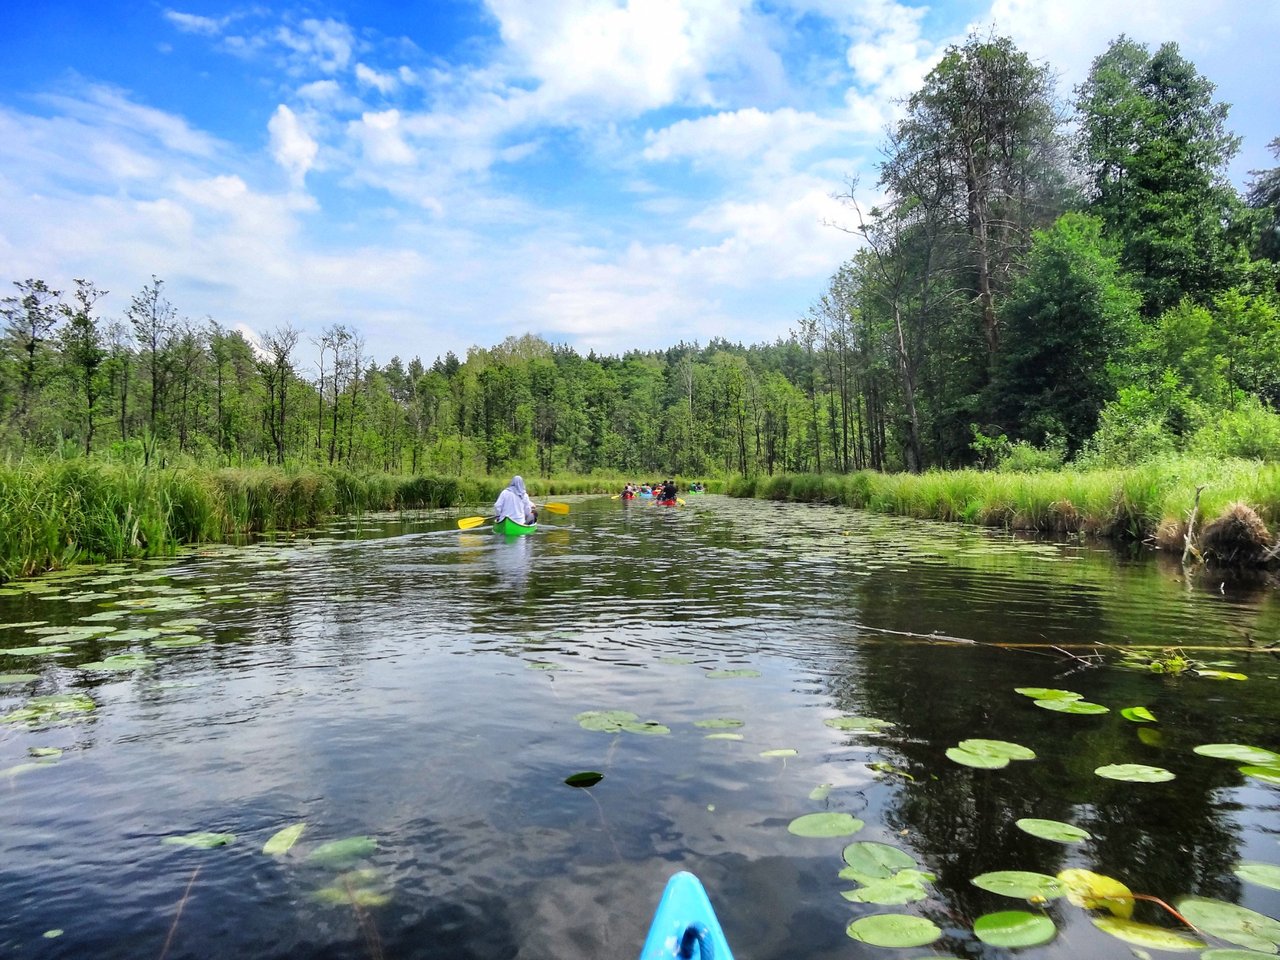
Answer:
(1130, 503)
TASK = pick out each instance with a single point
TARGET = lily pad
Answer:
(1239, 753)
(1134, 773)
(34, 651)
(1020, 884)
(55, 708)
(605, 721)
(170, 643)
(1265, 774)
(1138, 714)
(646, 727)
(1094, 891)
(723, 736)
(1048, 693)
(825, 825)
(1083, 707)
(282, 841)
(1221, 675)
(858, 724)
(337, 852)
(1014, 929)
(1263, 874)
(1230, 953)
(121, 661)
(894, 930)
(201, 840)
(780, 752)
(7, 678)
(1054, 830)
(1236, 924)
(719, 723)
(46, 752)
(870, 860)
(354, 888)
(988, 754)
(905, 886)
(820, 792)
(1146, 935)
(741, 673)
(585, 778)
(981, 761)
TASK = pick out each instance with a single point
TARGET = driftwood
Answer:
(1187, 548)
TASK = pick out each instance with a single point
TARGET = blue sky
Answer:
(606, 173)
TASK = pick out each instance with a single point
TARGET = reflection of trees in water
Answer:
(1162, 839)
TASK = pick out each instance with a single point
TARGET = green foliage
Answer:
(1251, 431)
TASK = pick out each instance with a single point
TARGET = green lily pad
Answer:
(1263, 874)
(354, 888)
(7, 678)
(201, 840)
(1083, 707)
(1048, 693)
(741, 673)
(825, 825)
(585, 778)
(171, 643)
(46, 752)
(820, 792)
(1221, 675)
(719, 723)
(1014, 929)
(1096, 891)
(1020, 884)
(1134, 773)
(1230, 953)
(121, 661)
(26, 767)
(1054, 830)
(858, 724)
(646, 728)
(780, 752)
(723, 736)
(999, 748)
(870, 860)
(605, 721)
(34, 651)
(981, 761)
(55, 708)
(1138, 714)
(1239, 753)
(282, 841)
(894, 930)
(1269, 774)
(1236, 924)
(1146, 935)
(905, 886)
(337, 852)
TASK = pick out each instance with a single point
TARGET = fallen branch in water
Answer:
(178, 916)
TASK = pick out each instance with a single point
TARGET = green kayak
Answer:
(510, 528)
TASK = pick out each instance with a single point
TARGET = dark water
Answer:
(419, 686)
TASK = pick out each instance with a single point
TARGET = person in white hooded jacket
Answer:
(514, 502)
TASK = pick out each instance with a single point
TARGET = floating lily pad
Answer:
(828, 824)
(45, 752)
(1263, 874)
(34, 651)
(870, 860)
(820, 792)
(605, 721)
(1269, 774)
(858, 724)
(894, 930)
(1014, 929)
(988, 754)
(354, 888)
(1138, 714)
(1150, 736)
(104, 616)
(121, 661)
(170, 643)
(201, 840)
(718, 723)
(26, 767)
(723, 736)
(1083, 707)
(740, 673)
(544, 665)
(7, 678)
(56, 708)
(586, 778)
(1146, 935)
(646, 728)
(282, 841)
(982, 761)
(1054, 830)
(1094, 891)
(1048, 693)
(780, 752)
(1230, 953)
(129, 636)
(1134, 773)
(1236, 924)
(337, 852)
(1221, 675)
(905, 886)
(1020, 884)
(1238, 753)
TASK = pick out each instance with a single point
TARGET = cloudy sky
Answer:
(606, 173)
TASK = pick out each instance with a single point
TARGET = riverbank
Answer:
(56, 513)
(1236, 519)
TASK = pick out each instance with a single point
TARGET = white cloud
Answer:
(321, 45)
(293, 148)
(194, 23)
(384, 83)
(381, 138)
(742, 138)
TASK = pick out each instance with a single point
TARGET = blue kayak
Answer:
(684, 925)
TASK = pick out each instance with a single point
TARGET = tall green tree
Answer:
(30, 316)
(1264, 196)
(83, 352)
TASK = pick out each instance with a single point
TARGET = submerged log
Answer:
(1238, 537)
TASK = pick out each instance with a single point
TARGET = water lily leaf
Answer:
(894, 930)
(1048, 693)
(169, 643)
(1138, 714)
(282, 841)
(359, 896)
(1072, 706)
(820, 792)
(337, 852)
(1014, 929)
(1134, 773)
(1020, 884)
(742, 673)
(858, 724)
(718, 723)
(1146, 935)
(1230, 953)
(780, 752)
(1150, 736)
(544, 665)
(605, 721)
(121, 661)
(1054, 830)
(1269, 774)
(129, 636)
(6, 678)
(25, 767)
(870, 860)
(586, 778)
(1233, 923)
(53, 752)
(56, 708)
(825, 825)
(34, 651)
(982, 761)
(201, 840)
(1239, 753)
(1263, 874)
(905, 886)
(1221, 675)
(1093, 891)
(646, 727)
(723, 736)
(999, 748)
(105, 616)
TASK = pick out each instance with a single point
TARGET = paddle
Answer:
(469, 523)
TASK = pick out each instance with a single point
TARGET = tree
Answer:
(83, 352)
(1264, 196)
(1154, 147)
(30, 317)
(276, 369)
(153, 318)
(1069, 319)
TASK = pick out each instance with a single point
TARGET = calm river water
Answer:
(417, 688)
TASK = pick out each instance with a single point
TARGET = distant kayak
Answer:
(628, 496)
(510, 528)
(646, 495)
(684, 925)
(668, 503)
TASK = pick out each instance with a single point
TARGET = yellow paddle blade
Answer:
(466, 523)
(616, 496)
(680, 500)
(556, 507)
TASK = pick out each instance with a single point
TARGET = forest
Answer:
(1050, 280)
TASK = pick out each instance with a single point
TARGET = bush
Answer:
(1249, 432)
(1022, 457)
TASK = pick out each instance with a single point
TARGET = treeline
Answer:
(1044, 281)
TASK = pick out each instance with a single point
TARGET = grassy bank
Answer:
(56, 513)
(1150, 502)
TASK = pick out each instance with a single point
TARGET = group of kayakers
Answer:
(664, 491)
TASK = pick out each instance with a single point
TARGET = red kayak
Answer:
(667, 503)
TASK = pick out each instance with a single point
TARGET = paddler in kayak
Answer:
(669, 491)
(513, 503)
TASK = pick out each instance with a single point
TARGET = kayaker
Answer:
(514, 503)
(669, 490)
